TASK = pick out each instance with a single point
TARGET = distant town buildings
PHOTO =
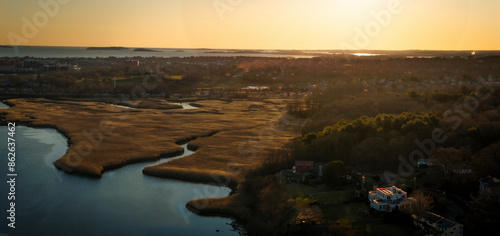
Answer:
(255, 88)
(37, 66)
(131, 63)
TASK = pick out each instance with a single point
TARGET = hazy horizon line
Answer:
(255, 49)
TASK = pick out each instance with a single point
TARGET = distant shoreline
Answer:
(145, 50)
(106, 48)
(7, 51)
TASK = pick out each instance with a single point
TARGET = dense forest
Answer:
(456, 129)
(370, 130)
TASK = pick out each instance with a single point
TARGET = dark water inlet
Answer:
(124, 201)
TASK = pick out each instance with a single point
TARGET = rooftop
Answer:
(490, 181)
(391, 190)
(304, 163)
(440, 221)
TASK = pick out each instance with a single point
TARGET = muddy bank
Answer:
(205, 207)
(97, 173)
(218, 178)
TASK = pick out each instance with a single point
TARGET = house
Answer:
(433, 224)
(300, 173)
(386, 199)
(304, 166)
(489, 183)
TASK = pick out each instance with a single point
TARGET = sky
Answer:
(254, 24)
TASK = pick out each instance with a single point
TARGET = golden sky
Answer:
(254, 24)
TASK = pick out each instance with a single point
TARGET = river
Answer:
(123, 202)
(185, 105)
(3, 106)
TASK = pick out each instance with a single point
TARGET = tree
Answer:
(394, 86)
(486, 161)
(413, 93)
(487, 205)
(418, 203)
(372, 153)
(335, 170)
(484, 216)
(449, 158)
(265, 206)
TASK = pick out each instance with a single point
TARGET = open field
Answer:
(233, 136)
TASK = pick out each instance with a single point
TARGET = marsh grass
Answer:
(145, 134)
(147, 103)
(231, 139)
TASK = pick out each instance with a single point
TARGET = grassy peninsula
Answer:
(96, 131)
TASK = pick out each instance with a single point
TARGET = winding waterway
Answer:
(123, 202)
(3, 106)
(185, 105)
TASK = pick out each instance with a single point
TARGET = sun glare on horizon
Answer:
(259, 24)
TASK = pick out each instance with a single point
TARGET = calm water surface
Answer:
(63, 52)
(3, 106)
(123, 202)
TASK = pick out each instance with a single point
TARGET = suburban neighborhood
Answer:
(374, 201)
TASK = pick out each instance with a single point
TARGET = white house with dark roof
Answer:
(489, 182)
(433, 224)
(386, 199)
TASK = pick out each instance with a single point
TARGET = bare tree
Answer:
(418, 202)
